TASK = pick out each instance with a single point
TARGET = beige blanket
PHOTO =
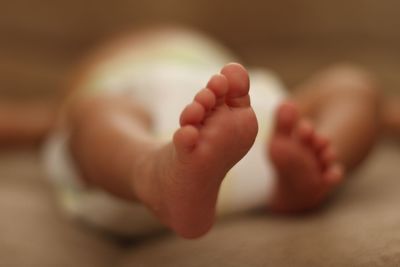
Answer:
(360, 227)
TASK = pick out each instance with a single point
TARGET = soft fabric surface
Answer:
(360, 227)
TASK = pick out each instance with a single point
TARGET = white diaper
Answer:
(164, 77)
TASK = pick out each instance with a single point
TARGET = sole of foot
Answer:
(305, 161)
(217, 130)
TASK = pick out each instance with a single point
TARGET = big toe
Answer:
(239, 85)
(287, 117)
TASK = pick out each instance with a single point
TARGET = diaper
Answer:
(164, 76)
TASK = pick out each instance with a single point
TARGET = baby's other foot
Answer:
(306, 165)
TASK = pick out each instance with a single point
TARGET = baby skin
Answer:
(217, 130)
(179, 181)
(305, 162)
(183, 177)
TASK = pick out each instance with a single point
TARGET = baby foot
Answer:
(305, 161)
(217, 130)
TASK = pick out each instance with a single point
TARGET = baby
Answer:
(117, 132)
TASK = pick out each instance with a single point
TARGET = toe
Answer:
(239, 84)
(306, 132)
(185, 139)
(287, 117)
(206, 98)
(320, 143)
(334, 175)
(331, 179)
(218, 84)
(328, 156)
(192, 114)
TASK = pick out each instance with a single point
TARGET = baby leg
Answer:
(326, 132)
(344, 103)
(178, 181)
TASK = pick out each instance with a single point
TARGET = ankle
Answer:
(144, 176)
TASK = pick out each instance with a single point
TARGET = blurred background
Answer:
(40, 41)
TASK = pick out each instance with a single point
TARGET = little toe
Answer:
(185, 139)
(192, 114)
(287, 117)
(334, 175)
(331, 179)
(239, 85)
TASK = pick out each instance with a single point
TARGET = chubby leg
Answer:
(178, 181)
(327, 132)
